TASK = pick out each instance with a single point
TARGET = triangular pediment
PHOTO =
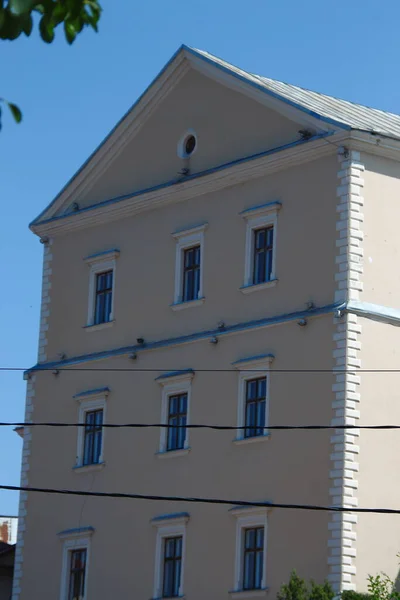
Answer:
(230, 116)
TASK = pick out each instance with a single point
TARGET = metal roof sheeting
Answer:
(347, 113)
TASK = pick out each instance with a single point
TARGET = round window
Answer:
(187, 144)
(190, 144)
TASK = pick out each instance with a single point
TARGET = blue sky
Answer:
(72, 96)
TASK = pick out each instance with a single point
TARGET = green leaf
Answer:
(28, 24)
(70, 32)
(19, 7)
(46, 29)
(15, 111)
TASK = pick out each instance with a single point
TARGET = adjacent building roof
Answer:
(355, 116)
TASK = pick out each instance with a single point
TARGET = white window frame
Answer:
(179, 383)
(257, 218)
(186, 239)
(87, 404)
(247, 518)
(252, 368)
(99, 263)
(74, 540)
(168, 526)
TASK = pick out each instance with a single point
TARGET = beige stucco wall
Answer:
(305, 262)
(289, 467)
(378, 536)
(381, 277)
(228, 126)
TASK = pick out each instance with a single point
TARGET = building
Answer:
(8, 529)
(7, 556)
(228, 255)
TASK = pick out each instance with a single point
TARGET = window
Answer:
(172, 566)
(191, 274)
(251, 543)
(101, 296)
(75, 563)
(256, 393)
(187, 144)
(253, 397)
(263, 254)
(177, 413)
(103, 301)
(175, 404)
(189, 266)
(93, 436)
(260, 253)
(170, 555)
(92, 413)
(253, 558)
(77, 572)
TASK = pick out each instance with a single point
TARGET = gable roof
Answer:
(326, 113)
(355, 116)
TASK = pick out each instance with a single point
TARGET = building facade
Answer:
(227, 256)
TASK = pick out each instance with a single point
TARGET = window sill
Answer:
(188, 304)
(169, 598)
(252, 440)
(89, 468)
(172, 453)
(249, 593)
(255, 287)
(99, 326)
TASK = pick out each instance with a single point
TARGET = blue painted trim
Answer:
(376, 312)
(192, 337)
(252, 359)
(76, 530)
(174, 374)
(170, 516)
(92, 392)
(263, 89)
(177, 182)
(104, 252)
(189, 229)
(247, 211)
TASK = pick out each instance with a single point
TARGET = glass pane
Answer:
(177, 578)
(183, 403)
(168, 579)
(260, 537)
(258, 569)
(262, 387)
(178, 548)
(250, 538)
(88, 447)
(251, 389)
(248, 574)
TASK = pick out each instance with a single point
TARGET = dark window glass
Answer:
(263, 254)
(190, 144)
(93, 437)
(77, 575)
(177, 414)
(191, 274)
(253, 558)
(172, 566)
(256, 390)
(103, 303)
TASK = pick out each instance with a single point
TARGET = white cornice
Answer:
(375, 144)
(213, 181)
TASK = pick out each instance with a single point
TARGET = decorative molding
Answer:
(168, 526)
(186, 239)
(104, 255)
(171, 192)
(76, 532)
(258, 287)
(347, 344)
(245, 518)
(101, 392)
(23, 497)
(46, 299)
(197, 336)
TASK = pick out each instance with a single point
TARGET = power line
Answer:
(55, 368)
(390, 511)
(200, 426)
